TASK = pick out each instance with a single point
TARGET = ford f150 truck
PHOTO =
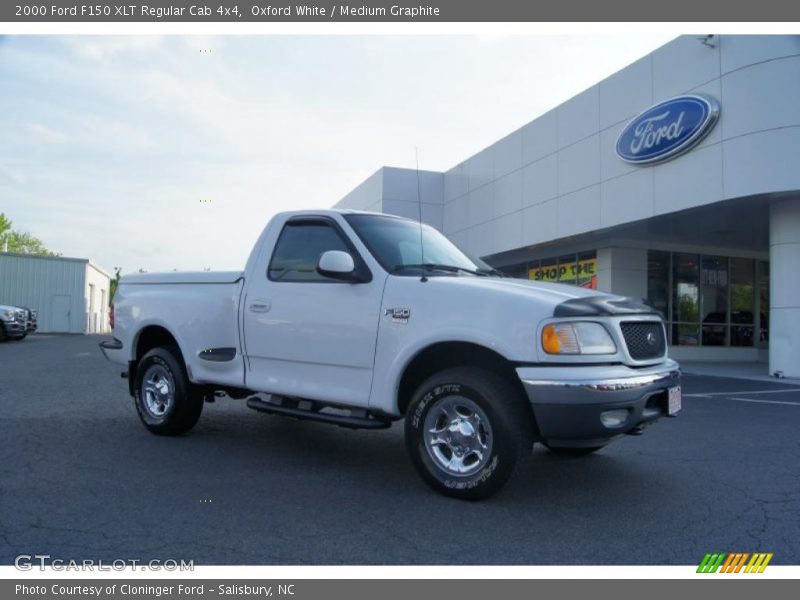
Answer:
(362, 319)
(16, 322)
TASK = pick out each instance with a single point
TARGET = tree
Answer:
(5, 231)
(112, 288)
(5, 225)
(20, 242)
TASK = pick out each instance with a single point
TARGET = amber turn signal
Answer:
(550, 341)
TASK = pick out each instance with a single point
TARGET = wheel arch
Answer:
(443, 355)
(148, 337)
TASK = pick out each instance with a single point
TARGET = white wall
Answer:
(622, 271)
(395, 192)
(97, 320)
(368, 195)
(784, 252)
(559, 175)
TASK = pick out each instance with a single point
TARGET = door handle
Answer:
(260, 306)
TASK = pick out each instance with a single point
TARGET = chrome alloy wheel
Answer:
(458, 436)
(159, 390)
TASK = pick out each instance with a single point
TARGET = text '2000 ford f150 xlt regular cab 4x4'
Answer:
(361, 319)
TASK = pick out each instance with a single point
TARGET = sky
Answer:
(173, 152)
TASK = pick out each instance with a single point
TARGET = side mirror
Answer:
(337, 264)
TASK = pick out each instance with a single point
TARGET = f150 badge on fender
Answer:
(399, 315)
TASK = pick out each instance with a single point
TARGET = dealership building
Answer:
(677, 179)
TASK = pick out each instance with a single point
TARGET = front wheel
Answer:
(467, 430)
(167, 402)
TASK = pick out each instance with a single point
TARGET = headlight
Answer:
(7, 314)
(578, 337)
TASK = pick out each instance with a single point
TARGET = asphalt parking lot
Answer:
(81, 478)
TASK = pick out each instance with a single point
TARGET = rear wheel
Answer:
(167, 402)
(467, 430)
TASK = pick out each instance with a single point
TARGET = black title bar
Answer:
(233, 11)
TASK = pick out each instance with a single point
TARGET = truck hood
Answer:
(566, 300)
(184, 277)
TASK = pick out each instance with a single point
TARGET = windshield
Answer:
(395, 243)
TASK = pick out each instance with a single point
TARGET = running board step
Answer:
(348, 421)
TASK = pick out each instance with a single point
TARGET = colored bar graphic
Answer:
(718, 563)
(711, 562)
(733, 562)
(751, 563)
(725, 566)
(703, 563)
(741, 562)
(765, 563)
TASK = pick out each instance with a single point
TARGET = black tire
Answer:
(509, 417)
(573, 452)
(3, 336)
(185, 401)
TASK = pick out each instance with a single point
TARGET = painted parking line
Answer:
(763, 401)
(749, 393)
(731, 397)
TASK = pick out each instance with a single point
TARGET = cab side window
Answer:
(298, 250)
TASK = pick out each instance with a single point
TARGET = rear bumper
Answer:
(112, 350)
(570, 402)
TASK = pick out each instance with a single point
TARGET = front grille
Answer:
(645, 339)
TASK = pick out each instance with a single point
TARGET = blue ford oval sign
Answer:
(667, 129)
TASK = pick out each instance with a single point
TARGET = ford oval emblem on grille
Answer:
(667, 129)
(651, 338)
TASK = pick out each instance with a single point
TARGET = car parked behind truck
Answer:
(16, 322)
(362, 319)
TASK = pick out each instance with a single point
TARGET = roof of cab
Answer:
(344, 211)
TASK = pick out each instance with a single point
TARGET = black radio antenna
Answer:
(419, 205)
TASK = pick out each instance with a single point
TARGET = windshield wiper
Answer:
(438, 267)
(492, 271)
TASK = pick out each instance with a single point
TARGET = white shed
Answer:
(71, 294)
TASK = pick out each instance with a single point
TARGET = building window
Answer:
(743, 301)
(714, 300)
(763, 303)
(519, 271)
(686, 299)
(658, 281)
(573, 269)
(708, 300)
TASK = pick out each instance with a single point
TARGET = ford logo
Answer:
(667, 129)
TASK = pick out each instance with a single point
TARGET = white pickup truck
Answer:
(361, 319)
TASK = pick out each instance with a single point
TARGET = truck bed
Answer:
(199, 309)
(185, 277)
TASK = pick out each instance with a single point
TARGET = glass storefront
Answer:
(573, 269)
(710, 300)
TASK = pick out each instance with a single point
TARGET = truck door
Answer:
(307, 335)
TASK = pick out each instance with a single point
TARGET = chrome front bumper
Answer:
(568, 402)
